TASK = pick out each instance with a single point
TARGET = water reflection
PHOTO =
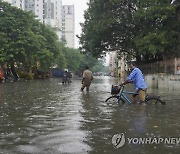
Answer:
(44, 116)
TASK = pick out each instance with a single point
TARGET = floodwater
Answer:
(46, 117)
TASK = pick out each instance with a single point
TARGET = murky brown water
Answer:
(46, 117)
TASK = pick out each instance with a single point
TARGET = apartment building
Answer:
(17, 3)
(122, 67)
(51, 12)
(117, 66)
(36, 7)
(47, 11)
(68, 25)
(113, 63)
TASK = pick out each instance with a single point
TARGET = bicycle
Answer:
(120, 96)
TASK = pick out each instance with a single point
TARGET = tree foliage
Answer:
(144, 29)
(76, 61)
(73, 58)
(27, 41)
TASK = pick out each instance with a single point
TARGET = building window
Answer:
(69, 12)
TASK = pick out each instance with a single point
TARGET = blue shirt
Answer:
(137, 77)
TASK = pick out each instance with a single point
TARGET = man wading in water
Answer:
(137, 78)
(87, 78)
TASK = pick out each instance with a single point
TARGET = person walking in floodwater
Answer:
(87, 78)
(64, 79)
(69, 76)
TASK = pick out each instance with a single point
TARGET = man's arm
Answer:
(83, 77)
(129, 78)
(125, 82)
(82, 80)
(92, 77)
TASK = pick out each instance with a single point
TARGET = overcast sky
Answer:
(80, 6)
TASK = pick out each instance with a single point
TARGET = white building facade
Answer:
(112, 63)
(68, 25)
(117, 65)
(17, 3)
(51, 12)
(36, 7)
(47, 11)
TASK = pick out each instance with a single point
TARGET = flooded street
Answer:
(46, 117)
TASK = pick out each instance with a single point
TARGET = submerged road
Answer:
(46, 117)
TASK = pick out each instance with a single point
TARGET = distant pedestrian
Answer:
(69, 76)
(64, 79)
(87, 78)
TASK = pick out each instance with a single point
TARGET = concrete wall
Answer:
(163, 81)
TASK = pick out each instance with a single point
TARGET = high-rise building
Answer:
(47, 11)
(68, 25)
(17, 3)
(51, 12)
(36, 7)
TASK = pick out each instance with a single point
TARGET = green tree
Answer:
(73, 58)
(99, 67)
(77, 61)
(157, 31)
(144, 29)
(107, 27)
(25, 40)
